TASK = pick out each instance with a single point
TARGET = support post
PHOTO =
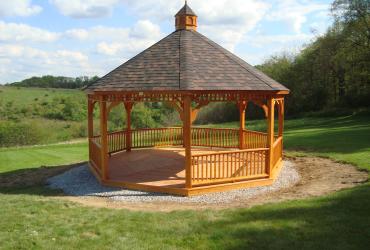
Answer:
(187, 140)
(281, 118)
(104, 138)
(90, 118)
(270, 134)
(242, 106)
(90, 124)
(128, 107)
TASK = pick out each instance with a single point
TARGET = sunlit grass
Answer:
(31, 220)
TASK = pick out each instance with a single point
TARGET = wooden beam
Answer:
(270, 134)
(242, 107)
(187, 140)
(111, 106)
(281, 117)
(179, 107)
(128, 107)
(104, 138)
(194, 111)
(90, 118)
(262, 105)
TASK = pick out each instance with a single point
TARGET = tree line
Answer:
(333, 71)
(49, 81)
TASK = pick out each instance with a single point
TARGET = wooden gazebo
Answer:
(187, 70)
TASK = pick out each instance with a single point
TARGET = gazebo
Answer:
(188, 71)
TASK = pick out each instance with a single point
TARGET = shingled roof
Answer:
(186, 10)
(185, 60)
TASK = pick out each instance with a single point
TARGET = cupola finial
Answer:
(186, 19)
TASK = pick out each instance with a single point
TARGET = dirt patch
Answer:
(319, 176)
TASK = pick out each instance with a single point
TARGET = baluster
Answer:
(212, 166)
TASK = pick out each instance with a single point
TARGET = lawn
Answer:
(49, 155)
(32, 220)
(21, 96)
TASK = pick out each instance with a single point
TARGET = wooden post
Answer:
(90, 125)
(90, 118)
(104, 138)
(281, 117)
(128, 107)
(281, 124)
(187, 140)
(270, 134)
(242, 105)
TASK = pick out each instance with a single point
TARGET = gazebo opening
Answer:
(187, 71)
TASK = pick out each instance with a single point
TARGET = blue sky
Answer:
(91, 37)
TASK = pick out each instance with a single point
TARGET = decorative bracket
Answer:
(262, 105)
(111, 106)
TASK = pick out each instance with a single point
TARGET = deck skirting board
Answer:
(190, 191)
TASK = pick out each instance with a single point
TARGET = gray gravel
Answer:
(81, 182)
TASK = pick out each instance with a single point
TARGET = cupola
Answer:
(186, 19)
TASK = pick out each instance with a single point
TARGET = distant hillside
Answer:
(55, 82)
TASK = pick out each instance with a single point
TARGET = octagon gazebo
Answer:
(189, 71)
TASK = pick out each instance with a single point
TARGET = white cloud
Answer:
(145, 29)
(294, 12)
(119, 42)
(109, 49)
(229, 21)
(21, 52)
(85, 8)
(95, 50)
(18, 8)
(13, 32)
(80, 34)
(261, 41)
(24, 61)
(225, 21)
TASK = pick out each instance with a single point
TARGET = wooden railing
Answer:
(228, 166)
(116, 141)
(95, 154)
(172, 136)
(152, 137)
(215, 137)
(277, 151)
(255, 139)
(219, 167)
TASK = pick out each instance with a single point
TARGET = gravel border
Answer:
(81, 182)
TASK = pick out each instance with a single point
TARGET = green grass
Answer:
(338, 221)
(31, 220)
(24, 96)
(31, 157)
(344, 138)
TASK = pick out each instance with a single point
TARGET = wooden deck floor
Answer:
(162, 167)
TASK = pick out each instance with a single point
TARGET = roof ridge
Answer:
(180, 59)
(223, 52)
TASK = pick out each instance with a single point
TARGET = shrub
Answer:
(17, 134)
(142, 117)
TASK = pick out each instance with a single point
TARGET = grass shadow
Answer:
(338, 221)
(32, 181)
